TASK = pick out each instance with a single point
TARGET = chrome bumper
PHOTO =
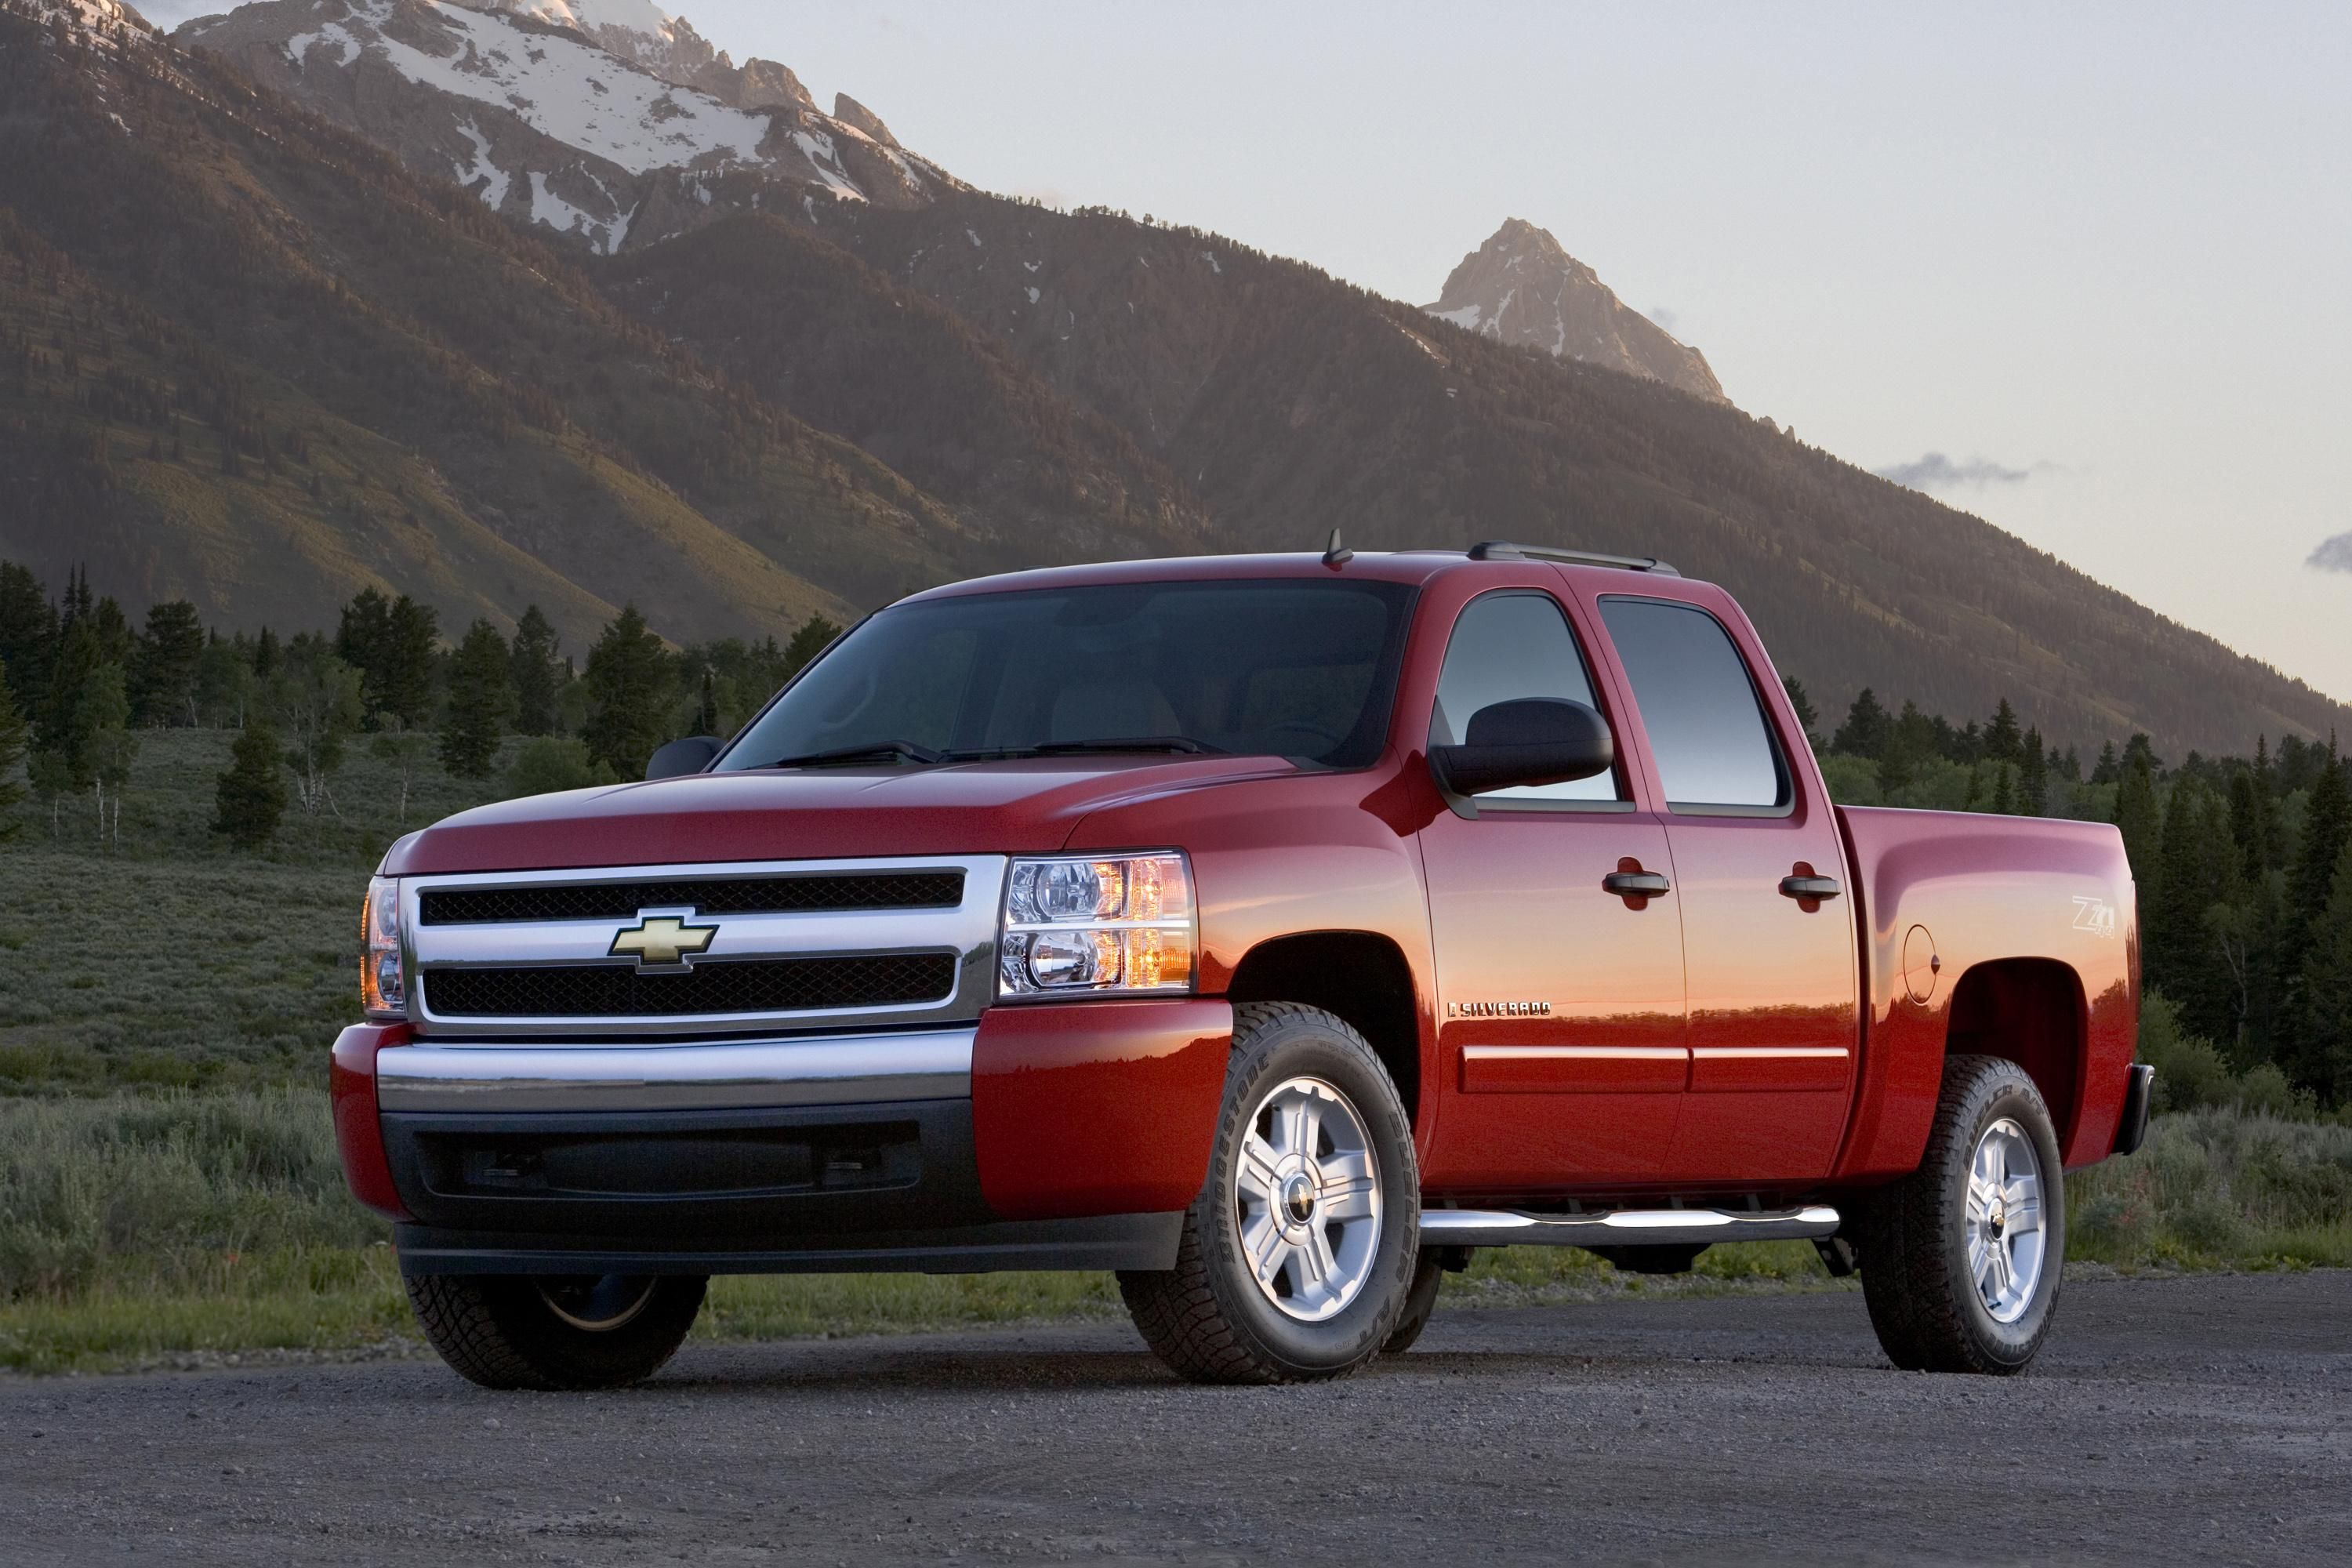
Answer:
(827, 1069)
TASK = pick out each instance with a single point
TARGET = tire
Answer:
(522, 1331)
(1674, 1259)
(1327, 1309)
(1420, 1302)
(1950, 1290)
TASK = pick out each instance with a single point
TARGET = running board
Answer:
(1623, 1227)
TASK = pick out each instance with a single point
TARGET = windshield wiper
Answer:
(876, 752)
(1130, 743)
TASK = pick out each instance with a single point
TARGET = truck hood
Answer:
(1025, 806)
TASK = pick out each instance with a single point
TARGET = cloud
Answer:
(2333, 555)
(1664, 317)
(1935, 471)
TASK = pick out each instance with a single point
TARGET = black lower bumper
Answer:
(841, 1188)
(2140, 1093)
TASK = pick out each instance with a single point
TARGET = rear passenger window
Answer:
(1706, 728)
(1506, 646)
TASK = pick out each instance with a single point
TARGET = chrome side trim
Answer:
(969, 930)
(1768, 1053)
(1572, 1053)
(1623, 1227)
(836, 1069)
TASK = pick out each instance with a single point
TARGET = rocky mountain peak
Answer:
(610, 120)
(1523, 287)
(849, 111)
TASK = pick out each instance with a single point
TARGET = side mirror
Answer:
(679, 758)
(1533, 741)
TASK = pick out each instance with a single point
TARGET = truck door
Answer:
(1767, 940)
(1560, 1000)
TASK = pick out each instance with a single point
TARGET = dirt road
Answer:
(2202, 1419)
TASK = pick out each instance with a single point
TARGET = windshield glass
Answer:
(1300, 668)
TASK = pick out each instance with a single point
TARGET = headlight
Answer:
(1087, 925)
(384, 984)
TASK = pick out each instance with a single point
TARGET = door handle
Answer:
(1808, 887)
(1634, 884)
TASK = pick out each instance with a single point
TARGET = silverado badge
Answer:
(661, 942)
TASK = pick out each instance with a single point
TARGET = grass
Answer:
(180, 1226)
(169, 1190)
(176, 961)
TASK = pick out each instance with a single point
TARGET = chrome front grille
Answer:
(745, 986)
(793, 945)
(715, 896)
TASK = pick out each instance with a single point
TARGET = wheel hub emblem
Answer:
(1997, 1219)
(1298, 1197)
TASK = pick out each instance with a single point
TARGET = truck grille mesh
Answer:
(763, 985)
(744, 896)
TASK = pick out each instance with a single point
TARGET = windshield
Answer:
(1300, 668)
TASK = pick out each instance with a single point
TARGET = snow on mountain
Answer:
(102, 22)
(607, 120)
(1522, 287)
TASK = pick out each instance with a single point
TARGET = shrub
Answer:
(546, 764)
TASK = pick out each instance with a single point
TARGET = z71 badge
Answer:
(2095, 915)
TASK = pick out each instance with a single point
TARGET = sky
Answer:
(2084, 271)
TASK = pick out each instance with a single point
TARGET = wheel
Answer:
(1675, 1260)
(1961, 1260)
(555, 1333)
(1297, 1257)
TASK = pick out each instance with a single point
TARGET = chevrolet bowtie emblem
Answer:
(663, 941)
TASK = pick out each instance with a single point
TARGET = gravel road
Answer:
(2201, 1419)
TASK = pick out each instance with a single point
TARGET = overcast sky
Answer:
(2084, 271)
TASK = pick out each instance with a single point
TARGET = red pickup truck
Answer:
(1274, 930)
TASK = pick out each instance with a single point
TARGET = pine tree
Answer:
(28, 635)
(2001, 739)
(12, 755)
(2108, 770)
(2033, 777)
(481, 701)
(816, 634)
(2326, 827)
(2323, 1028)
(1808, 719)
(629, 684)
(250, 798)
(1866, 726)
(406, 675)
(2004, 801)
(164, 665)
(2188, 877)
(2136, 814)
(537, 676)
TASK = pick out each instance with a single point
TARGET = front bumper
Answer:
(1055, 1136)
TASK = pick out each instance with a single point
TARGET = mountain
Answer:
(1521, 288)
(245, 355)
(602, 120)
(1288, 404)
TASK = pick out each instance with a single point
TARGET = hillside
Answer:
(1290, 403)
(247, 357)
(1523, 287)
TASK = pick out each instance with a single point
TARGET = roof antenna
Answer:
(1336, 555)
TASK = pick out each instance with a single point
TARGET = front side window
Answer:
(1706, 727)
(1298, 669)
(1506, 647)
